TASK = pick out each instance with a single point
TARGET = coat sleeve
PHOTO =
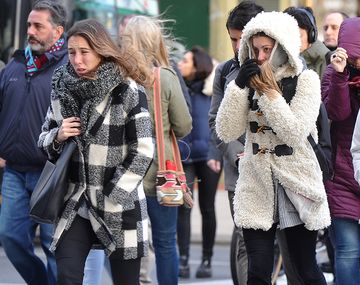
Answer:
(231, 119)
(355, 149)
(218, 95)
(231, 149)
(140, 147)
(293, 122)
(335, 94)
(49, 132)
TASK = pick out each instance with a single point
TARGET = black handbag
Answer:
(47, 199)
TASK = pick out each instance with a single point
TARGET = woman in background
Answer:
(145, 34)
(196, 67)
(341, 96)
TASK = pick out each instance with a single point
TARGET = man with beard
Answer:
(25, 87)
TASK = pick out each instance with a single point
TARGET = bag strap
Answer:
(159, 130)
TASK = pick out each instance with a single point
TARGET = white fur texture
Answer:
(281, 27)
(299, 173)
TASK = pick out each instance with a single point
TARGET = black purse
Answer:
(47, 199)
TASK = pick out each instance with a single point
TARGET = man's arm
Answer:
(231, 150)
(218, 95)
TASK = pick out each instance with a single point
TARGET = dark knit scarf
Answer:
(78, 95)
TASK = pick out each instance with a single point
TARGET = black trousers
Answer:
(301, 245)
(73, 250)
(208, 182)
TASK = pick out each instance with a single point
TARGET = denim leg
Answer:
(94, 267)
(345, 235)
(17, 229)
(184, 215)
(163, 224)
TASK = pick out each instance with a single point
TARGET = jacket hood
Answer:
(349, 37)
(284, 29)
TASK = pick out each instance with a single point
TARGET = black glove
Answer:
(248, 69)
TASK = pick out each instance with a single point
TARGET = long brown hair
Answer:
(147, 34)
(265, 80)
(129, 62)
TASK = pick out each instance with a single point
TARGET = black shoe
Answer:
(184, 268)
(204, 270)
(326, 267)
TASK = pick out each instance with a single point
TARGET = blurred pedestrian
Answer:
(97, 102)
(312, 50)
(331, 26)
(174, 48)
(196, 67)
(280, 180)
(340, 92)
(25, 86)
(315, 54)
(147, 35)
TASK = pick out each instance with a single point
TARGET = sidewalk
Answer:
(223, 218)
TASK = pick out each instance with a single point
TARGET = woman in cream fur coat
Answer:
(280, 182)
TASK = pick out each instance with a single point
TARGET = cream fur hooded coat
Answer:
(299, 173)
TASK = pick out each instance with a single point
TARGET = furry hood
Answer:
(349, 37)
(284, 29)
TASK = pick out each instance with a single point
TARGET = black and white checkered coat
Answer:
(112, 156)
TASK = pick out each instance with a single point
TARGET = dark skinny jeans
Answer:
(73, 250)
(207, 184)
(301, 245)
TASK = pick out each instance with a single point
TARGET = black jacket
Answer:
(24, 102)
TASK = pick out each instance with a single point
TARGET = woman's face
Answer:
(83, 58)
(262, 48)
(186, 66)
(304, 40)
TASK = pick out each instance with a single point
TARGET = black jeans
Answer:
(301, 245)
(208, 182)
(73, 250)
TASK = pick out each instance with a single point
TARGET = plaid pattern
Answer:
(34, 63)
(114, 153)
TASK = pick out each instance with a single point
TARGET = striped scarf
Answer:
(34, 63)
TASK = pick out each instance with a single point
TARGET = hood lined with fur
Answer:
(284, 29)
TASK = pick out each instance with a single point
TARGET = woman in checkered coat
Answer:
(95, 102)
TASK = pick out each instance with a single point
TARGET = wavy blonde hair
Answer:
(128, 60)
(147, 35)
(265, 81)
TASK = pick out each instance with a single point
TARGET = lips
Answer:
(80, 71)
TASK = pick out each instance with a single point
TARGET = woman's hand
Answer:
(70, 127)
(214, 165)
(338, 59)
(247, 70)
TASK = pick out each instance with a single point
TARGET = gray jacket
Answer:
(231, 149)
